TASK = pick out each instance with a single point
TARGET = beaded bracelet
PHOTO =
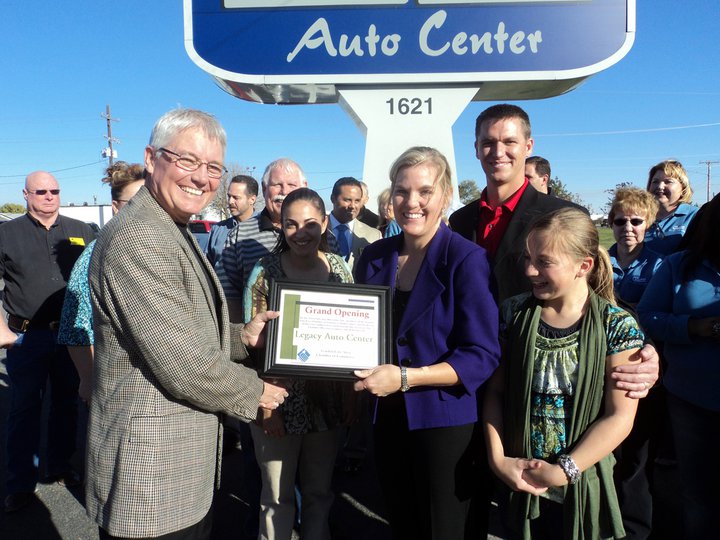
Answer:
(570, 468)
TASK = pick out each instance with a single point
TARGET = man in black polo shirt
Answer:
(37, 253)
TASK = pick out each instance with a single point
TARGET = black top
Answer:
(369, 218)
(508, 263)
(36, 263)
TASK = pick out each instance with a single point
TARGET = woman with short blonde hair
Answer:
(632, 211)
(668, 182)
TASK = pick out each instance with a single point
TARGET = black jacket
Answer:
(507, 265)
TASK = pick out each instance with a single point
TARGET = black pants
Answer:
(696, 432)
(635, 465)
(431, 478)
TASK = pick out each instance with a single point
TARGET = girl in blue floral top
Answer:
(552, 416)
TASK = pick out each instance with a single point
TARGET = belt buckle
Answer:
(22, 327)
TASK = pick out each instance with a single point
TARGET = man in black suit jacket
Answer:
(500, 220)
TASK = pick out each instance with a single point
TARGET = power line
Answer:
(53, 171)
(624, 131)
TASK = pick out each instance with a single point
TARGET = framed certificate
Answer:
(327, 330)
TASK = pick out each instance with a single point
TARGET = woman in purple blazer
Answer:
(445, 331)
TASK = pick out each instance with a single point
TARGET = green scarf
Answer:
(591, 509)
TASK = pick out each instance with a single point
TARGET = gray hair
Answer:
(174, 122)
(286, 164)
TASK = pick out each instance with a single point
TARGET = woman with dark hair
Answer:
(668, 182)
(301, 436)
(681, 306)
(445, 330)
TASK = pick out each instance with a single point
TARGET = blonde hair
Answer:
(424, 155)
(383, 200)
(571, 232)
(673, 169)
(635, 200)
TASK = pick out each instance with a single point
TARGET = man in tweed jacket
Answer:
(165, 353)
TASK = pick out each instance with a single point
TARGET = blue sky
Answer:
(62, 62)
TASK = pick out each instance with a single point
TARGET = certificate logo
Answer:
(304, 355)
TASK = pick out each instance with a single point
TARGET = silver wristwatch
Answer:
(404, 387)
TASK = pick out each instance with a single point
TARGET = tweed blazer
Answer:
(450, 317)
(507, 266)
(164, 366)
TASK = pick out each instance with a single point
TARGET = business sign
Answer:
(299, 51)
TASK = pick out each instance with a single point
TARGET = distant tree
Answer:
(560, 190)
(219, 203)
(469, 191)
(611, 194)
(12, 208)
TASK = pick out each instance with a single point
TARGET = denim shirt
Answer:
(664, 235)
(218, 236)
(630, 282)
(670, 300)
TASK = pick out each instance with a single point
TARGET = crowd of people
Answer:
(524, 366)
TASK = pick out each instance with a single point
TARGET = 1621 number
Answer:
(410, 106)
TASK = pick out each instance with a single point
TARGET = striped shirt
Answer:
(247, 243)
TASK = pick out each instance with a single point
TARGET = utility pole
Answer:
(109, 152)
(709, 164)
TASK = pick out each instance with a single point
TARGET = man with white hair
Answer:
(166, 356)
(251, 240)
(367, 216)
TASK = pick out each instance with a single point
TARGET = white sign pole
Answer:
(394, 119)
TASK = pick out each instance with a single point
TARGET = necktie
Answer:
(343, 243)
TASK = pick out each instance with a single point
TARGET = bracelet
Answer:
(404, 386)
(570, 468)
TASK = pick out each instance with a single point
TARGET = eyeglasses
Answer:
(190, 164)
(635, 222)
(42, 192)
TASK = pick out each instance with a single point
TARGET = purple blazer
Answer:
(451, 317)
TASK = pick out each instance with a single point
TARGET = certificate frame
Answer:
(327, 330)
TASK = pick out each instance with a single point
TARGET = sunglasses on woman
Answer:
(635, 222)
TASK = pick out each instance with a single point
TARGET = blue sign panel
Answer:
(267, 43)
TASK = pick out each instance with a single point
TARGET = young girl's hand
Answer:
(513, 472)
(545, 475)
(273, 423)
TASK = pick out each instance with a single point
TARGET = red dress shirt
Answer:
(494, 222)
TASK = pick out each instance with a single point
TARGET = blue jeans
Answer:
(29, 367)
(696, 432)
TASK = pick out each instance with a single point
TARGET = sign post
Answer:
(394, 119)
(384, 59)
